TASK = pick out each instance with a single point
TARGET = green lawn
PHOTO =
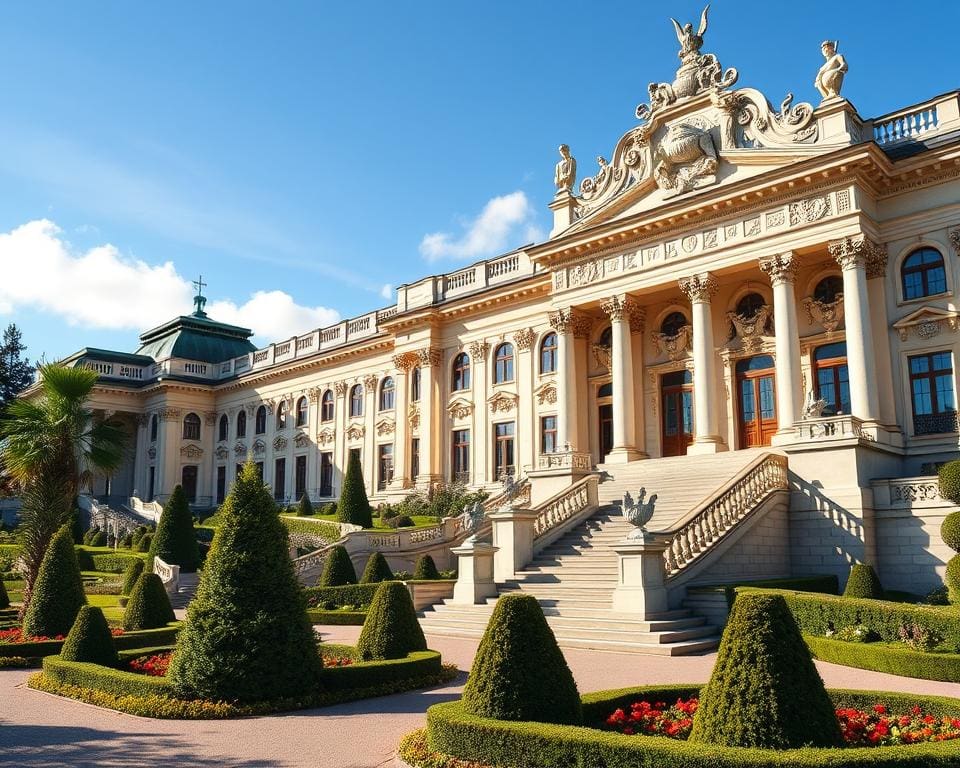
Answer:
(110, 605)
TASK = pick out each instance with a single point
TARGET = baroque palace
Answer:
(736, 276)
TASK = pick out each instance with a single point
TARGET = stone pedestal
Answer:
(641, 576)
(564, 207)
(474, 573)
(513, 540)
(837, 122)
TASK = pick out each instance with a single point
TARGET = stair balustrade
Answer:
(695, 533)
(169, 575)
(564, 506)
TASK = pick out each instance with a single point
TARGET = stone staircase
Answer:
(186, 590)
(573, 578)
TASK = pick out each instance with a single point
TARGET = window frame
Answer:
(416, 382)
(194, 430)
(385, 465)
(460, 372)
(504, 363)
(282, 415)
(549, 352)
(932, 375)
(327, 402)
(260, 421)
(388, 395)
(223, 428)
(545, 431)
(356, 401)
(241, 427)
(923, 270)
(504, 447)
(303, 412)
(460, 456)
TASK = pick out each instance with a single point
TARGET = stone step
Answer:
(610, 621)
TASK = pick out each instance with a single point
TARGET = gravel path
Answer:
(42, 731)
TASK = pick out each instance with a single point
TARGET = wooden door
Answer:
(605, 420)
(189, 482)
(676, 412)
(756, 394)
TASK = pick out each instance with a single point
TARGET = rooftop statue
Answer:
(829, 78)
(565, 173)
(690, 43)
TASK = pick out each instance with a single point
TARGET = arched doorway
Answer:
(756, 395)
(676, 401)
(605, 419)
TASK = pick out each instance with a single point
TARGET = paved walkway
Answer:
(42, 731)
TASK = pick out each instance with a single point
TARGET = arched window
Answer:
(832, 377)
(326, 406)
(461, 372)
(282, 414)
(387, 394)
(191, 427)
(242, 423)
(828, 289)
(548, 353)
(261, 420)
(672, 323)
(302, 411)
(749, 305)
(503, 364)
(154, 426)
(606, 337)
(356, 400)
(224, 428)
(415, 385)
(923, 274)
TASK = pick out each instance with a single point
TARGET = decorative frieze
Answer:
(810, 210)
(524, 339)
(781, 268)
(699, 288)
(170, 414)
(859, 252)
(191, 451)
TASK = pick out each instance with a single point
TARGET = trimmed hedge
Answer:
(305, 508)
(950, 531)
(349, 594)
(952, 579)
(391, 629)
(90, 639)
(882, 658)
(322, 529)
(102, 678)
(425, 569)
(338, 570)
(827, 585)
(147, 638)
(381, 671)
(4, 597)
(815, 614)
(149, 605)
(146, 541)
(454, 731)
(863, 582)
(337, 618)
(131, 575)
(949, 481)
(376, 570)
(58, 591)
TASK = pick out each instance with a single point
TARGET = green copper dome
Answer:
(196, 337)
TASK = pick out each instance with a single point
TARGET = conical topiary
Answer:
(149, 604)
(57, 594)
(139, 533)
(76, 526)
(131, 574)
(425, 569)
(247, 636)
(764, 691)
(90, 640)
(175, 541)
(377, 570)
(338, 570)
(353, 506)
(146, 541)
(4, 597)
(519, 672)
(391, 629)
(863, 582)
(305, 508)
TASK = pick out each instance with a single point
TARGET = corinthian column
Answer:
(621, 310)
(852, 254)
(782, 271)
(568, 326)
(401, 429)
(700, 290)
(429, 361)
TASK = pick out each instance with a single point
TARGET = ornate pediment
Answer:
(259, 447)
(927, 322)
(356, 432)
(191, 451)
(326, 436)
(301, 440)
(222, 452)
(460, 408)
(546, 393)
(239, 450)
(385, 427)
(280, 444)
(502, 402)
(677, 346)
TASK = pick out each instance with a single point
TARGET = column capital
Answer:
(623, 307)
(568, 320)
(781, 268)
(404, 361)
(955, 240)
(524, 339)
(429, 357)
(860, 252)
(478, 351)
(340, 387)
(699, 288)
(370, 382)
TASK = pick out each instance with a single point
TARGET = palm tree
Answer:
(50, 447)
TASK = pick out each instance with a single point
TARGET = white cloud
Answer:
(102, 288)
(387, 291)
(273, 315)
(498, 227)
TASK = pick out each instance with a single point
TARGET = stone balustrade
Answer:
(908, 493)
(698, 531)
(565, 460)
(169, 574)
(565, 505)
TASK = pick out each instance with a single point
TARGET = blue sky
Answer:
(301, 155)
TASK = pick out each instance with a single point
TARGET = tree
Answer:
(16, 372)
(149, 605)
(354, 507)
(338, 571)
(305, 508)
(50, 446)
(90, 640)
(863, 582)
(425, 569)
(175, 541)
(247, 636)
(131, 575)
(376, 570)
(391, 629)
(58, 594)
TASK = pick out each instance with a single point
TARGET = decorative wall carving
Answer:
(829, 314)
(413, 416)
(927, 323)
(955, 240)
(569, 321)
(429, 356)
(222, 452)
(855, 252)
(546, 394)
(676, 346)
(314, 394)
(191, 451)
(601, 355)
(478, 351)
(340, 387)
(809, 210)
(209, 418)
(524, 339)
(239, 450)
(502, 402)
(370, 382)
(686, 158)
(152, 452)
(301, 440)
(781, 268)
(355, 432)
(751, 330)
(699, 288)
(404, 361)
(385, 427)
(326, 436)
(460, 408)
(170, 414)
(280, 444)
(259, 447)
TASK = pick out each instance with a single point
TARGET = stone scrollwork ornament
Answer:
(829, 314)
(751, 329)
(686, 159)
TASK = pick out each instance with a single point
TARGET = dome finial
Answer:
(199, 300)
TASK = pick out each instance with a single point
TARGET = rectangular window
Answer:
(384, 466)
(548, 434)
(461, 456)
(932, 392)
(326, 473)
(280, 479)
(503, 450)
(300, 476)
(221, 484)
(151, 485)
(415, 458)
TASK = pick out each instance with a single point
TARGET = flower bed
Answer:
(15, 635)
(144, 638)
(486, 742)
(154, 665)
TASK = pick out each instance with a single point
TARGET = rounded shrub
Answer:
(99, 539)
(952, 579)
(149, 605)
(146, 541)
(391, 629)
(57, 595)
(399, 521)
(519, 672)
(354, 507)
(949, 477)
(131, 575)
(175, 541)
(90, 534)
(377, 570)
(247, 636)
(4, 597)
(425, 569)
(90, 640)
(950, 530)
(139, 532)
(764, 691)
(338, 571)
(305, 508)
(863, 582)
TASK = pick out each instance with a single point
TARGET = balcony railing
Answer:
(935, 423)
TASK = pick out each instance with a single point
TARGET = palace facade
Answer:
(736, 275)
